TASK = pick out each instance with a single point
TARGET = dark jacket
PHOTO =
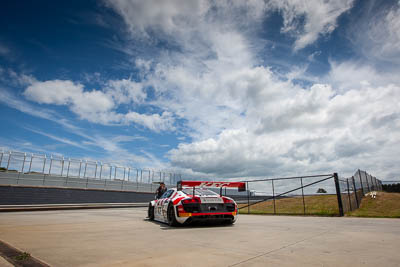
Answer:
(160, 191)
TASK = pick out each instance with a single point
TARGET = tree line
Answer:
(394, 188)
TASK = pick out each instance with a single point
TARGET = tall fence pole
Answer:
(366, 179)
(248, 198)
(355, 191)
(273, 195)
(69, 165)
(62, 166)
(348, 193)
(338, 194)
(361, 183)
(95, 171)
(80, 167)
(302, 194)
(101, 169)
(1, 159)
(30, 164)
(23, 163)
(8, 162)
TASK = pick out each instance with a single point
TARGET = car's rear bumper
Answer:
(206, 216)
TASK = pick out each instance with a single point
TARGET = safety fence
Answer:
(323, 194)
(353, 189)
(39, 169)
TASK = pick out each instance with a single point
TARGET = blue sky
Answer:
(207, 88)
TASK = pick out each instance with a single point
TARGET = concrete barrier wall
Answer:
(26, 195)
(45, 180)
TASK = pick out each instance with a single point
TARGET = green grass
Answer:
(322, 205)
(385, 205)
(23, 256)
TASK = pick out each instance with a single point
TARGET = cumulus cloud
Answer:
(243, 119)
(99, 105)
(64, 92)
(246, 120)
(153, 122)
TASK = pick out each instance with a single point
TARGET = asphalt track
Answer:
(123, 237)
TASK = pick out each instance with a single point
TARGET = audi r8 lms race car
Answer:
(192, 201)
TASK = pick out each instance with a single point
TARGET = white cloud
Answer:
(126, 91)
(99, 106)
(244, 119)
(307, 20)
(154, 122)
(376, 34)
(54, 92)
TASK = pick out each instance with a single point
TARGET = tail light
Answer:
(180, 209)
(227, 200)
(191, 200)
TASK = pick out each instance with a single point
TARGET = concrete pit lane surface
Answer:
(124, 237)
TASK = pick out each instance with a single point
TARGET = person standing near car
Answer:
(161, 190)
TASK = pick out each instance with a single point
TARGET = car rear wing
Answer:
(240, 185)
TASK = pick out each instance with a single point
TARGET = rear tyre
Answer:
(171, 216)
(150, 212)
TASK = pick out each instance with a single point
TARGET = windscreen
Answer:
(199, 192)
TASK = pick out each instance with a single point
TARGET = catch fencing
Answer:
(323, 194)
(23, 168)
(353, 189)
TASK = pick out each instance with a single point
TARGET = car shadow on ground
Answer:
(201, 225)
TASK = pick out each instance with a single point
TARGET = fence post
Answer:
(248, 198)
(95, 171)
(273, 195)
(23, 163)
(69, 164)
(137, 179)
(80, 166)
(30, 164)
(348, 193)
(302, 194)
(122, 183)
(62, 166)
(338, 194)
(101, 169)
(366, 179)
(362, 187)
(1, 159)
(8, 162)
(374, 182)
(355, 191)
(84, 174)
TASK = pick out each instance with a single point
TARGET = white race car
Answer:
(192, 201)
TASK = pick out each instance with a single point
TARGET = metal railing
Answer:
(26, 168)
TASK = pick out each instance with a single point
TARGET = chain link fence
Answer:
(323, 194)
(24, 168)
(353, 189)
